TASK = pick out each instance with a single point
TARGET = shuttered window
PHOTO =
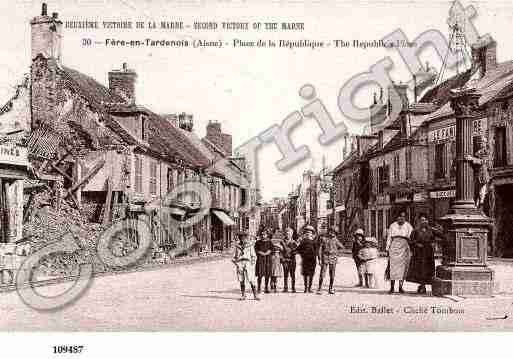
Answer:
(138, 174)
(500, 147)
(153, 177)
(409, 164)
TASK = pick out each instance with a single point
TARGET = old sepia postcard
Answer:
(255, 166)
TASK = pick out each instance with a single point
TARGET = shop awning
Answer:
(340, 208)
(177, 211)
(223, 217)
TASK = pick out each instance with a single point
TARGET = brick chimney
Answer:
(218, 138)
(185, 122)
(123, 82)
(484, 54)
(46, 35)
(364, 142)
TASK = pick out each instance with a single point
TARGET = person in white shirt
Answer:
(399, 254)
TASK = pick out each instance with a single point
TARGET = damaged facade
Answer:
(94, 149)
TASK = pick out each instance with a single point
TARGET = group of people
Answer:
(273, 255)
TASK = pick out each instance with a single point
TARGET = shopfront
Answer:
(13, 171)
(441, 202)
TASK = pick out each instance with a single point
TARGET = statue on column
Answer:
(482, 175)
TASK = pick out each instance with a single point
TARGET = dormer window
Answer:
(380, 140)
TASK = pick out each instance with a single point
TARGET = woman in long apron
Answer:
(399, 254)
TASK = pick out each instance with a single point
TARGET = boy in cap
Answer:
(244, 259)
(328, 257)
(308, 251)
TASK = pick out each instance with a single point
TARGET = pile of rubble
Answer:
(49, 223)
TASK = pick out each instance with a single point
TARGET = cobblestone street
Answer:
(205, 296)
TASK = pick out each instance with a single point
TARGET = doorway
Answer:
(504, 220)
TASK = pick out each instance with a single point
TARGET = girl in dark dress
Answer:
(263, 267)
(308, 251)
(358, 244)
(422, 265)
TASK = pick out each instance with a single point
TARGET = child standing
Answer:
(244, 259)
(369, 261)
(276, 269)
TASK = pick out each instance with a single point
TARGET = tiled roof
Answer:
(98, 95)
(440, 94)
(347, 162)
(217, 163)
(165, 139)
(489, 87)
(44, 142)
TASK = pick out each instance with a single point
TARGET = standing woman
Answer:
(398, 251)
(308, 251)
(422, 268)
(263, 249)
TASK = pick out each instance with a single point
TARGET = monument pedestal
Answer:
(464, 271)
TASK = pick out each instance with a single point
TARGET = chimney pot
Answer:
(44, 9)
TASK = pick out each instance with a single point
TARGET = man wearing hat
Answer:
(244, 259)
(328, 257)
(308, 251)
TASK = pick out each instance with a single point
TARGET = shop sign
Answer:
(382, 199)
(13, 155)
(449, 132)
(402, 199)
(443, 194)
(419, 197)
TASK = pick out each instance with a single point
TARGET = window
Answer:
(500, 159)
(170, 180)
(477, 142)
(409, 171)
(138, 174)
(144, 131)
(452, 171)
(153, 177)
(373, 223)
(396, 168)
(380, 227)
(383, 177)
(440, 160)
(243, 195)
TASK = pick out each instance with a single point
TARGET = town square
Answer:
(116, 215)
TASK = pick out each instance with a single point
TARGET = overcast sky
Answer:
(246, 89)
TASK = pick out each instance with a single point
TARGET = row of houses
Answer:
(408, 162)
(98, 148)
(309, 203)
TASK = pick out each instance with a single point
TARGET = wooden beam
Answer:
(64, 174)
(27, 209)
(108, 201)
(87, 177)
